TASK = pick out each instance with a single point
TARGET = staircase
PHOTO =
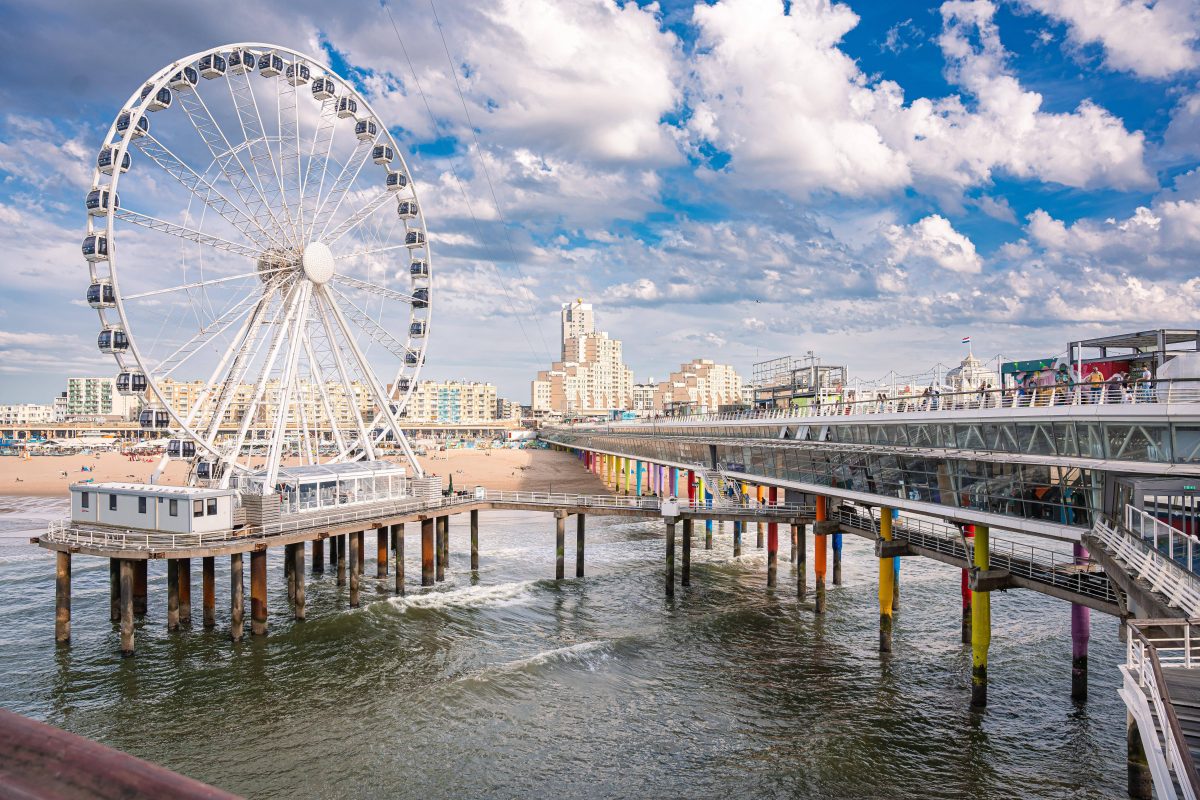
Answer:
(720, 486)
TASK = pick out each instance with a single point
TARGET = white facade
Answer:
(971, 374)
(171, 509)
(97, 397)
(578, 319)
(26, 414)
(452, 402)
(591, 378)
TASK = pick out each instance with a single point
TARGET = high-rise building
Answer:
(97, 397)
(451, 402)
(700, 386)
(60, 407)
(183, 395)
(591, 378)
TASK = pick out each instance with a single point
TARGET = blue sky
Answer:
(734, 180)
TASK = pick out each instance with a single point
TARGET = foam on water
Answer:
(504, 594)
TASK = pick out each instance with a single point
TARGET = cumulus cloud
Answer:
(933, 241)
(1151, 40)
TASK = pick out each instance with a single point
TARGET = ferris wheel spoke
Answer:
(354, 220)
(183, 287)
(370, 251)
(337, 193)
(325, 313)
(317, 376)
(262, 162)
(288, 124)
(373, 288)
(181, 354)
(314, 175)
(366, 324)
(184, 232)
(237, 216)
(287, 384)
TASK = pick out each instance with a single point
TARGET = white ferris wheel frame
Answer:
(333, 318)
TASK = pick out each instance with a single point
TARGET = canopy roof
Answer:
(313, 473)
(1145, 340)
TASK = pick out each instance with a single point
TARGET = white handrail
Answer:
(1181, 587)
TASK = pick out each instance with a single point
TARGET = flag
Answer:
(966, 340)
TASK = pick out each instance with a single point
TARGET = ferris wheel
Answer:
(262, 272)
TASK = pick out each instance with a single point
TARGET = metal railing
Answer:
(1039, 564)
(1142, 560)
(1157, 391)
(1146, 694)
(1172, 542)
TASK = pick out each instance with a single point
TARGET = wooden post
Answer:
(440, 534)
(356, 543)
(318, 556)
(140, 568)
(185, 591)
(475, 540)
(288, 562)
(381, 553)
(799, 533)
(258, 592)
(62, 597)
(237, 603)
(837, 559)
(772, 543)
(362, 553)
(398, 545)
(685, 578)
(794, 555)
(580, 523)
(172, 594)
(737, 538)
(670, 556)
(560, 536)
(427, 551)
(298, 578)
(114, 590)
(208, 590)
(127, 571)
(338, 543)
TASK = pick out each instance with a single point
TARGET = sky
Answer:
(734, 180)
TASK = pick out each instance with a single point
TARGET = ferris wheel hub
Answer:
(317, 262)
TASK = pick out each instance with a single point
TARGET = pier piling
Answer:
(289, 576)
(258, 592)
(670, 570)
(981, 624)
(887, 577)
(759, 495)
(799, 534)
(1081, 625)
(114, 590)
(968, 533)
(62, 597)
(819, 556)
(474, 540)
(772, 543)
(356, 545)
(127, 571)
(361, 558)
(381, 553)
(208, 590)
(398, 546)
(442, 534)
(737, 538)
(580, 525)
(560, 544)
(338, 544)
(140, 604)
(427, 551)
(1138, 781)
(793, 556)
(298, 579)
(237, 602)
(685, 578)
(837, 559)
(185, 591)
(318, 556)
(172, 594)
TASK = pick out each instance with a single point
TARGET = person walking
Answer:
(1095, 380)
(1146, 384)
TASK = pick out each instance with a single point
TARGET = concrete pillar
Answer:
(427, 551)
(338, 545)
(141, 567)
(686, 573)
(441, 527)
(1138, 781)
(356, 545)
(185, 591)
(172, 594)
(126, 569)
(398, 546)
(638, 469)
(793, 556)
(208, 590)
(896, 585)
(981, 624)
(298, 578)
(114, 590)
(799, 535)
(475, 540)
(381, 552)
(772, 544)
(258, 592)
(691, 487)
(969, 533)
(737, 538)
(288, 563)
(671, 556)
(819, 558)
(708, 523)
(236, 601)
(1081, 628)
(62, 597)
(837, 559)
(887, 576)
(560, 544)
(318, 556)
(362, 552)
(580, 525)
(759, 496)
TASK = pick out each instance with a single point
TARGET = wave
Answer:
(504, 594)
(572, 652)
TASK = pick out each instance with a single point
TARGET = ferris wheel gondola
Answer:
(266, 303)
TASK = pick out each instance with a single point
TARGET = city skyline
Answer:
(1019, 173)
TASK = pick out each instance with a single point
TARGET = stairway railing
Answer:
(1142, 560)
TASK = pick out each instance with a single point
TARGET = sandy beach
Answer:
(526, 470)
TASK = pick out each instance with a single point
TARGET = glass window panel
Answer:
(1064, 439)
(1187, 443)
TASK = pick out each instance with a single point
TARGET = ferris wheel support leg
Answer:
(287, 383)
(159, 468)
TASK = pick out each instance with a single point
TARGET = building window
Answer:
(83, 500)
(212, 506)
(112, 502)
(141, 505)
(197, 508)
(173, 508)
